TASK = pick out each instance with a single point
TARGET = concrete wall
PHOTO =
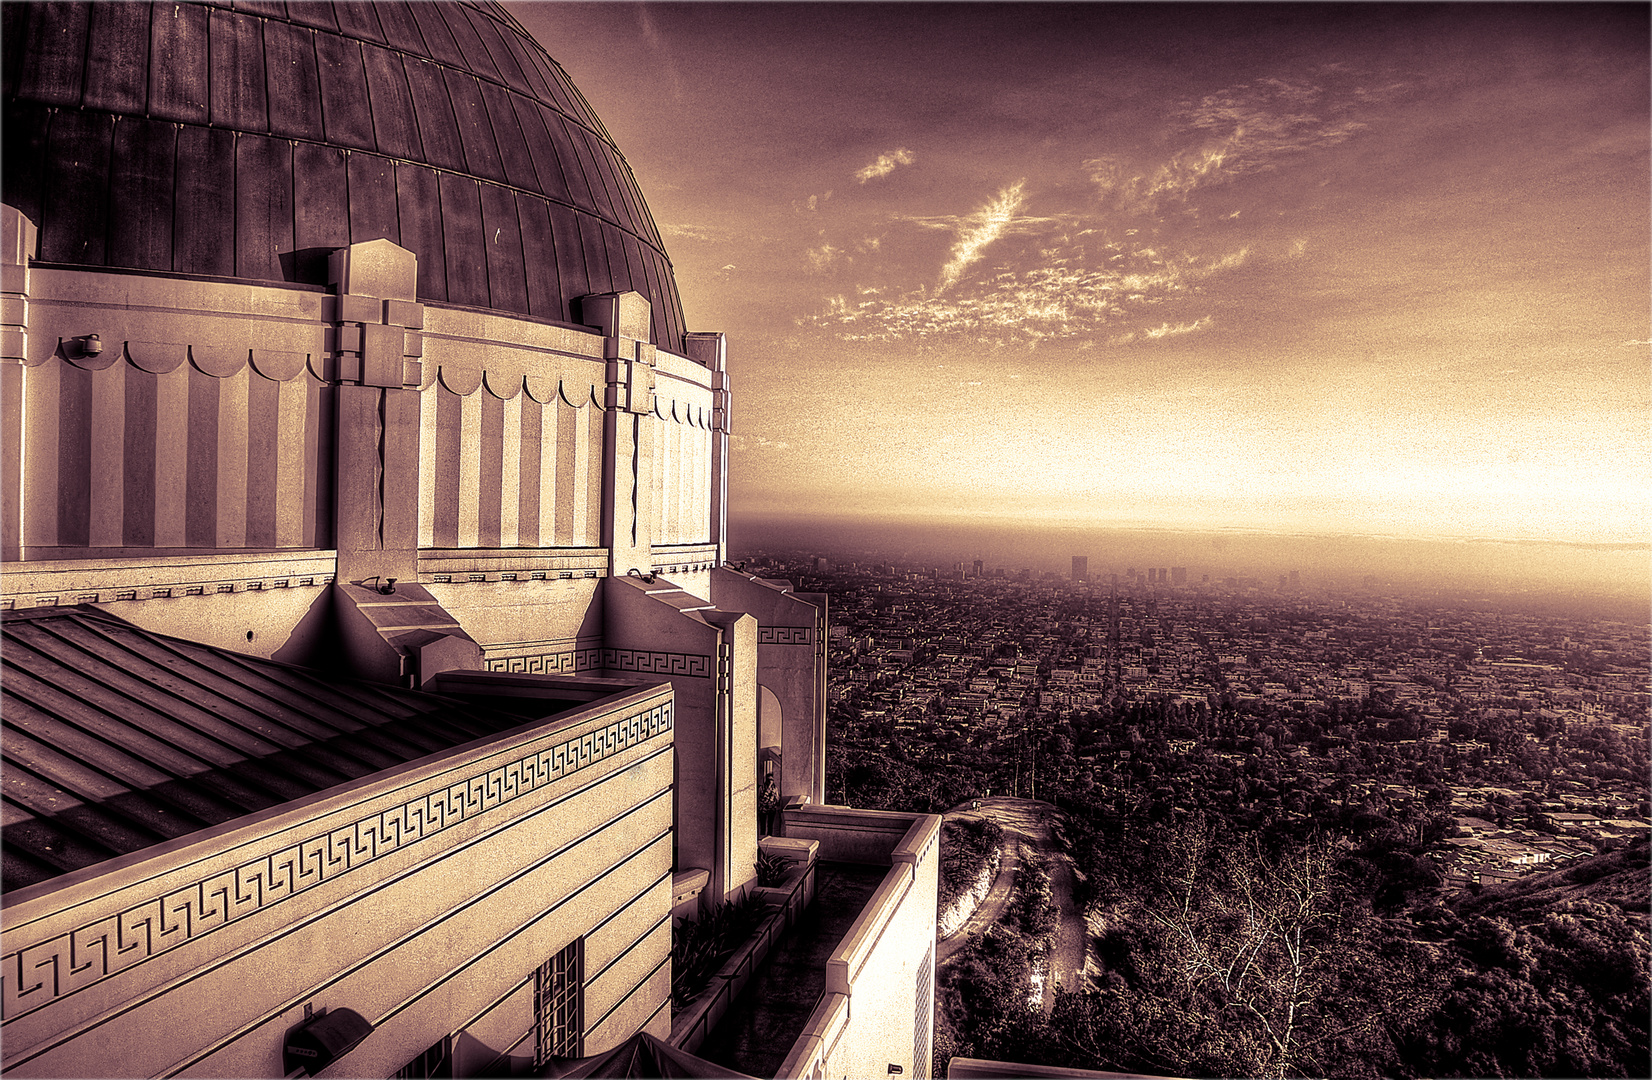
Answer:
(424, 899)
(878, 1008)
(217, 415)
(552, 625)
(739, 809)
(168, 437)
(230, 437)
(280, 598)
(710, 657)
(791, 664)
(849, 835)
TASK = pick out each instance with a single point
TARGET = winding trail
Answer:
(1026, 825)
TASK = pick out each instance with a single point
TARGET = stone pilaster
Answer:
(711, 351)
(628, 512)
(376, 347)
(18, 236)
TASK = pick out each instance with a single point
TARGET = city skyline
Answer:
(1346, 269)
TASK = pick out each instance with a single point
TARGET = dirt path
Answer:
(1071, 944)
(1026, 826)
(991, 907)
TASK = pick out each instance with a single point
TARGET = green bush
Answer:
(771, 868)
(700, 946)
(966, 846)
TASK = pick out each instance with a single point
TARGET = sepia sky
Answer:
(1347, 268)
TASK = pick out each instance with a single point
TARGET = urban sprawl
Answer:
(1530, 731)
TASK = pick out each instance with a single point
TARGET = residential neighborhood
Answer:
(1528, 729)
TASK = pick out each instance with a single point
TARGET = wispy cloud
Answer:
(822, 257)
(886, 164)
(979, 229)
(695, 232)
(661, 50)
(1167, 330)
(1252, 127)
(756, 443)
(1099, 271)
(1059, 298)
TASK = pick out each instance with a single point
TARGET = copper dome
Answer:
(243, 140)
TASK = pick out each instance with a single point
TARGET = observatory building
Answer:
(376, 689)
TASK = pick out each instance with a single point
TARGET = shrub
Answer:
(771, 868)
(700, 946)
(966, 845)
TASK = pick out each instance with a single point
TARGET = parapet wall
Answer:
(876, 837)
(877, 1013)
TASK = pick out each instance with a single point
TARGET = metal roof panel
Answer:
(118, 738)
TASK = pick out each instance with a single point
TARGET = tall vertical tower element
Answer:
(370, 648)
(1081, 568)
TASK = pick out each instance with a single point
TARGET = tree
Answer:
(1248, 934)
(1252, 963)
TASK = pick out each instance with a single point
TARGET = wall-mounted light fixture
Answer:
(87, 345)
(320, 1039)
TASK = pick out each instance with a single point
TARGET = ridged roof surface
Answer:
(116, 738)
(241, 139)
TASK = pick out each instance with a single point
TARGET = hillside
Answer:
(1617, 878)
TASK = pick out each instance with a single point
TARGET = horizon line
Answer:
(910, 518)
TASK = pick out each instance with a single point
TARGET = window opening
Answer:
(558, 1004)
(436, 1061)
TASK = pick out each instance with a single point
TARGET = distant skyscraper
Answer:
(1081, 568)
(1164, 575)
(978, 567)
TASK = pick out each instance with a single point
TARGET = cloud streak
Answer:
(885, 164)
(1167, 330)
(1059, 299)
(695, 232)
(979, 229)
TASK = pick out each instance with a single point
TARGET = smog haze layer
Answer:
(1603, 580)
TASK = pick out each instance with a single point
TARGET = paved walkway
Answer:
(758, 1031)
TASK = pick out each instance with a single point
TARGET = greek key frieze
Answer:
(42, 972)
(785, 635)
(657, 663)
(564, 662)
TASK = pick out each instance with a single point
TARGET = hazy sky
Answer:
(1332, 268)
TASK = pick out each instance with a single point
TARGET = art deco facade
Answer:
(370, 643)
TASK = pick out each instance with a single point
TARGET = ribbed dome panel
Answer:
(243, 140)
